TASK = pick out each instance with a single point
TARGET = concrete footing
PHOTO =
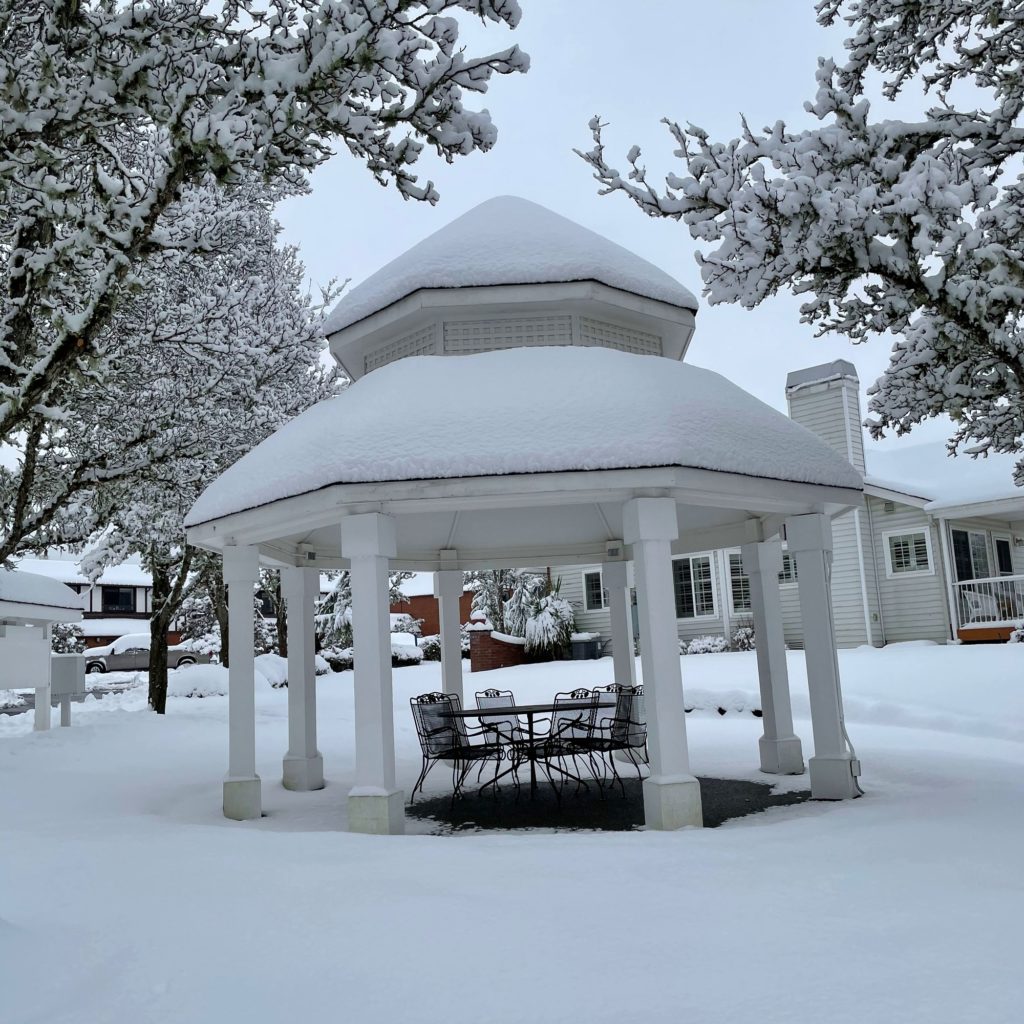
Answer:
(377, 814)
(672, 802)
(302, 774)
(243, 799)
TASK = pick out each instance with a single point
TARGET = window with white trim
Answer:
(739, 583)
(788, 573)
(595, 597)
(694, 586)
(908, 553)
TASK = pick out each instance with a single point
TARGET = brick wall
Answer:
(486, 653)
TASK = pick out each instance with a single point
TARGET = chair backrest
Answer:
(573, 723)
(630, 725)
(506, 727)
(437, 731)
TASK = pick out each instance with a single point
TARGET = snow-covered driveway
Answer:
(126, 897)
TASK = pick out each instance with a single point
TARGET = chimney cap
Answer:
(836, 370)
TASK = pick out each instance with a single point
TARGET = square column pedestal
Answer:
(671, 793)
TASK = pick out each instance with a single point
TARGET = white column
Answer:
(671, 793)
(833, 769)
(375, 805)
(448, 588)
(780, 746)
(41, 715)
(242, 798)
(303, 766)
(617, 579)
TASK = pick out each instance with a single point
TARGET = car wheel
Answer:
(95, 667)
(182, 662)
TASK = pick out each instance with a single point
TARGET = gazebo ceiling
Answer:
(522, 453)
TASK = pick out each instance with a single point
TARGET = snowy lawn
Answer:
(126, 897)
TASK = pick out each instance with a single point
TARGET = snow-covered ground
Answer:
(126, 897)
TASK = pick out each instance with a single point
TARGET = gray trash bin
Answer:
(586, 650)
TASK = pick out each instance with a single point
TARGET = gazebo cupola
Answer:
(510, 274)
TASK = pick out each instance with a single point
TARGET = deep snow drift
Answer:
(902, 906)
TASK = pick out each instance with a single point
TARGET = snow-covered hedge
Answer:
(1017, 636)
(431, 645)
(11, 699)
(341, 660)
(743, 639)
(704, 645)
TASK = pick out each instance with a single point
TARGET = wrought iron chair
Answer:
(502, 728)
(625, 729)
(568, 729)
(444, 738)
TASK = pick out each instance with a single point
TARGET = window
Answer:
(788, 574)
(595, 597)
(1004, 556)
(118, 600)
(694, 587)
(970, 555)
(909, 552)
(739, 583)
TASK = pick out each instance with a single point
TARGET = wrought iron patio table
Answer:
(530, 713)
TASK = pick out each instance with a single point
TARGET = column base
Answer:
(832, 778)
(672, 802)
(380, 813)
(302, 774)
(243, 799)
(781, 757)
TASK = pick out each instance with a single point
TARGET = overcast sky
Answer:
(632, 63)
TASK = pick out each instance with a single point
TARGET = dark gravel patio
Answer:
(589, 809)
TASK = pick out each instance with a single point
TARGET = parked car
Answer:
(130, 653)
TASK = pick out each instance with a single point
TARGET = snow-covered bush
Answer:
(273, 668)
(743, 638)
(550, 626)
(1017, 636)
(11, 699)
(405, 654)
(406, 624)
(339, 659)
(67, 638)
(430, 647)
(705, 645)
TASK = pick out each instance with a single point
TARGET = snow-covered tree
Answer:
(333, 610)
(911, 227)
(119, 124)
(550, 624)
(217, 354)
(67, 638)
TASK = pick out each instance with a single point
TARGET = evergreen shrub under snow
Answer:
(1017, 636)
(704, 645)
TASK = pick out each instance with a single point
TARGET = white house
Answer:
(936, 552)
(542, 323)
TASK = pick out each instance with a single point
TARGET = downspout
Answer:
(954, 619)
(856, 523)
(874, 563)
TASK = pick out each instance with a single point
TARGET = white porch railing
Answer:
(990, 602)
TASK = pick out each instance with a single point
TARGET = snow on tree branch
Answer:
(911, 228)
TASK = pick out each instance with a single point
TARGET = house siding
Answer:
(914, 606)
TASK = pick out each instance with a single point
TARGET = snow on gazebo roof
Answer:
(508, 241)
(26, 588)
(526, 410)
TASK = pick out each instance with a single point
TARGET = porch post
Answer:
(242, 797)
(303, 765)
(671, 793)
(375, 805)
(617, 578)
(41, 712)
(833, 768)
(780, 746)
(448, 588)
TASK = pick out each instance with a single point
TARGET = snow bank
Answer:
(273, 668)
(508, 240)
(211, 680)
(654, 412)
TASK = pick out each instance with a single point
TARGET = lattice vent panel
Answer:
(626, 339)
(466, 336)
(419, 343)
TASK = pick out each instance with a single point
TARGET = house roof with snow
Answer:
(68, 570)
(28, 596)
(946, 484)
(508, 241)
(525, 411)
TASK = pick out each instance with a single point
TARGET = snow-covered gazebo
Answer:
(568, 431)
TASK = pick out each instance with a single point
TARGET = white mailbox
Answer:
(29, 605)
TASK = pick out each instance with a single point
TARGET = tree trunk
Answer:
(219, 597)
(281, 613)
(158, 640)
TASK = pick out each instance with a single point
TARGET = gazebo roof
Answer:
(23, 594)
(524, 411)
(508, 241)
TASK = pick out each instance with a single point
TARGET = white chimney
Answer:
(826, 400)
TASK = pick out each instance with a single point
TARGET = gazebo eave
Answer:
(282, 529)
